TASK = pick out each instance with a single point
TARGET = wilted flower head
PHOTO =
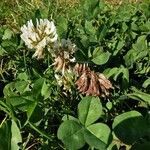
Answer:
(91, 83)
(63, 55)
(39, 36)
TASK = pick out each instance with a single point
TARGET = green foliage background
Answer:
(115, 41)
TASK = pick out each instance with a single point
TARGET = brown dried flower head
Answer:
(91, 83)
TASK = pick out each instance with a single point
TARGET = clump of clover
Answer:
(43, 35)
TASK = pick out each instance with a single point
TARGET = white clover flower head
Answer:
(39, 36)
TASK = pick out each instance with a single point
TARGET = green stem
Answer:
(24, 60)
(25, 144)
(3, 78)
(39, 131)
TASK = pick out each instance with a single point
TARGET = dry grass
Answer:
(72, 3)
(68, 3)
(119, 2)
